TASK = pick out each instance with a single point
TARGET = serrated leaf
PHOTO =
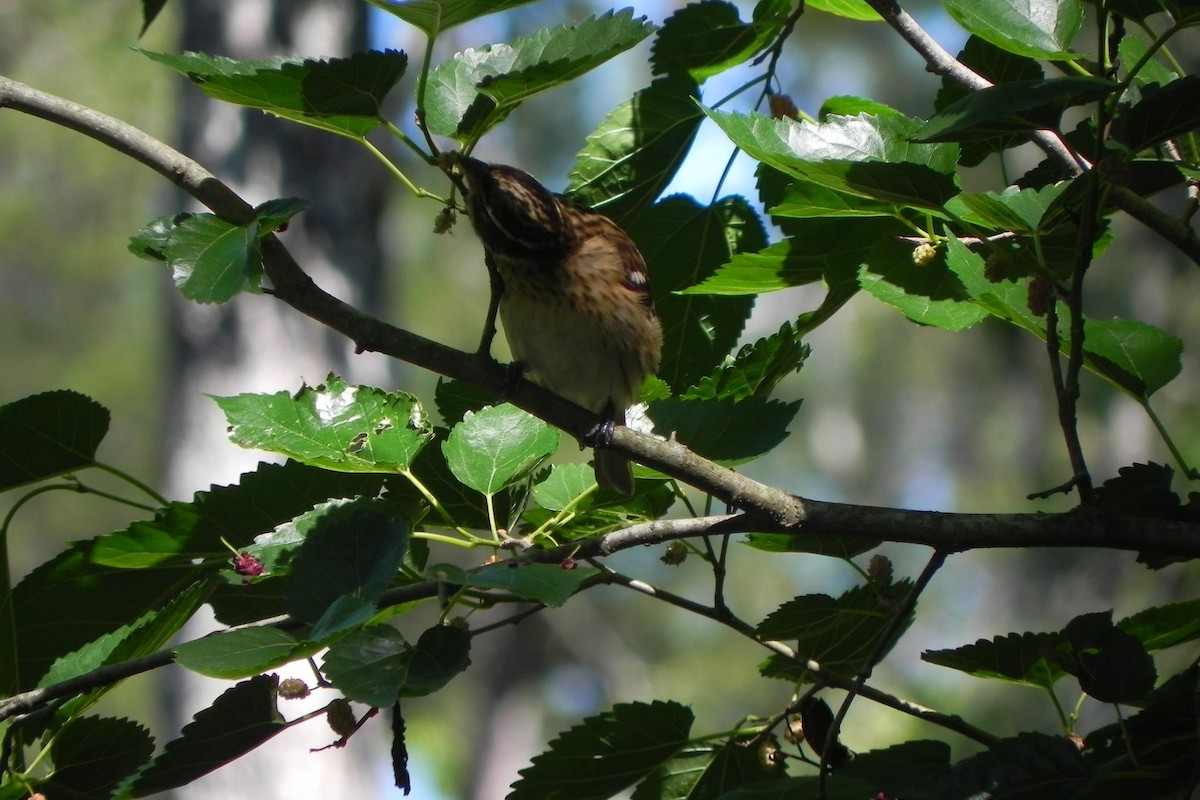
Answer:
(1038, 29)
(238, 653)
(498, 446)
(49, 434)
(1031, 765)
(563, 487)
(93, 754)
(1022, 658)
(864, 156)
(850, 9)
(1015, 210)
(606, 753)
(756, 369)
(1133, 50)
(683, 244)
(901, 770)
(635, 152)
(332, 426)
(704, 771)
(1111, 664)
(1162, 114)
(725, 431)
(435, 16)
(927, 293)
(840, 633)
(212, 260)
(238, 721)
(1164, 626)
(708, 37)
(455, 398)
(376, 665)
(1138, 358)
(469, 94)
(549, 584)
(74, 598)
(342, 95)
(1014, 107)
(354, 549)
(997, 66)
(833, 546)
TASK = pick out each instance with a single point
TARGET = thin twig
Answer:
(883, 645)
(950, 722)
(940, 62)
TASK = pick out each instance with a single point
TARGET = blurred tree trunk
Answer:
(256, 344)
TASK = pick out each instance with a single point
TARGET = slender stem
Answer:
(436, 504)
(1190, 472)
(391, 128)
(392, 168)
(132, 481)
(883, 645)
(950, 722)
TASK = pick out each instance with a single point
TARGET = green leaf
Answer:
(997, 66)
(211, 260)
(756, 370)
(1038, 29)
(498, 446)
(850, 9)
(1132, 50)
(1023, 658)
(476, 89)
(1013, 107)
(549, 584)
(708, 37)
(563, 487)
(93, 754)
(238, 721)
(635, 152)
(1111, 664)
(838, 633)
(903, 770)
(376, 665)
(701, 771)
(238, 653)
(1135, 357)
(49, 434)
(607, 510)
(342, 95)
(273, 215)
(833, 546)
(1032, 765)
(465, 505)
(455, 398)
(723, 430)
(606, 753)
(354, 549)
(332, 426)
(1015, 210)
(864, 156)
(683, 244)
(806, 200)
(262, 500)
(1159, 627)
(846, 105)
(74, 598)
(928, 293)
(435, 16)
(1162, 114)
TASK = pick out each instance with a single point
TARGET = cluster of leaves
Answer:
(339, 540)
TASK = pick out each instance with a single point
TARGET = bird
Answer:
(574, 298)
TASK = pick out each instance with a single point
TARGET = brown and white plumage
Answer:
(576, 304)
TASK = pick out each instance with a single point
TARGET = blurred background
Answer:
(894, 414)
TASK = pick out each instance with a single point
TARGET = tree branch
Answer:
(939, 61)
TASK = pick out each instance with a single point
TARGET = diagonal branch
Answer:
(940, 62)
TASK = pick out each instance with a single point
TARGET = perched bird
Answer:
(575, 300)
